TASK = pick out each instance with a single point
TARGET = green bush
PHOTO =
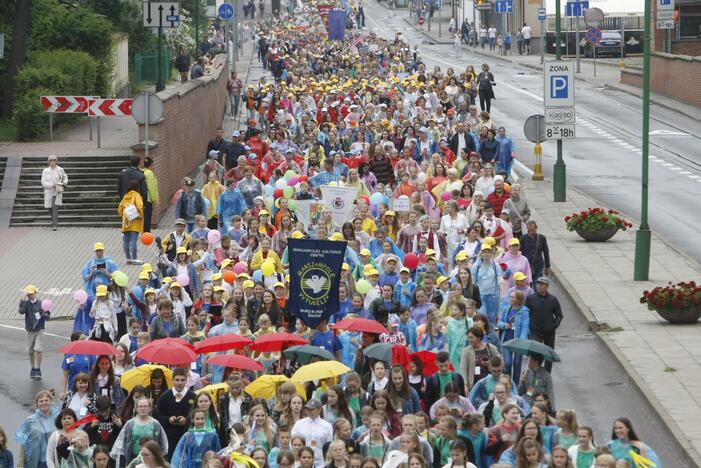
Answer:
(31, 77)
(29, 116)
(80, 67)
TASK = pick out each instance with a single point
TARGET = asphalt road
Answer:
(605, 159)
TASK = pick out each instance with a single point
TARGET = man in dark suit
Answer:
(232, 407)
(435, 385)
(462, 131)
(132, 173)
(174, 407)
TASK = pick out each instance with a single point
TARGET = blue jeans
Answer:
(490, 307)
(235, 101)
(129, 240)
(512, 364)
(190, 227)
(492, 43)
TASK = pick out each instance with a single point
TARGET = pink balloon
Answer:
(240, 267)
(445, 196)
(80, 296)
(47, 305)
(292, 181)
(213, 236)
(183, 279)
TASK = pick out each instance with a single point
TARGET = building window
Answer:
(689, 21)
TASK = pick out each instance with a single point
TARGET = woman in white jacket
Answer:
(54, 180)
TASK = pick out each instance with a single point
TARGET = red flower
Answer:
(605, 219)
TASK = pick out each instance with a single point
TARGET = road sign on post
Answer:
(559, 100)
(576, 9)
(534, 129)
(109, 107)
(226, 11)
(593, 17)
(542, 14)
(161, 14)
(66, 104)
(594, 35)
(503, 6)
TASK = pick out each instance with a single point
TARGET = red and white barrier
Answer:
(109, 107)
(66, 104)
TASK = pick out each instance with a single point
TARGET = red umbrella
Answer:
(222, 343)
(276, 342)
(90, 347)
(360, 324)
(177, 341)
(428, 358)
(166, 353)
(400, 355)
(236, 361)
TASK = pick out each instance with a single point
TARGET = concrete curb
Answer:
(665, 103)
(615, 353)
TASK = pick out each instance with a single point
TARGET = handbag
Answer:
(59, 188)
(130, 212)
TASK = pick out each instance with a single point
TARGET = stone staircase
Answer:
(90, 199)
(3, 164)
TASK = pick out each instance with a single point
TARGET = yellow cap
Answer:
(218, 289)
(390, 213)
(489, 241)
(519, 276)
(181, 250)
(226, 262)
(149, 291)
(101, 291)
(98, 246)
(216, 276)
(248, 284)
(174, 284)
(263, 213)
(462, 255)
(30, 289)
(440, 280)
(404, 270)
(486, 248)
(430, 253)
(345, 266)
(392, 259)
(514, 241)
(297, 235)
(147, 268)
(167, 279)
(244, 276)
(279, 285)
(143, 275)
(365, 252)
(336, 236)
(372, 272)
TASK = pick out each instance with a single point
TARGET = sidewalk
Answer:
(662, 359)
(607, 70)
(53, 260)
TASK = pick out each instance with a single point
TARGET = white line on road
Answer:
(45, 333)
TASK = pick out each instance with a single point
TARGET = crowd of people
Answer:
(453, 276)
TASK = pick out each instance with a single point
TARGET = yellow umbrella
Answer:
(214, 389)
(266, 386)
(142, 376)
(319, 370)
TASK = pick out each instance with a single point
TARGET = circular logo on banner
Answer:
(337, 203)
(315, 283)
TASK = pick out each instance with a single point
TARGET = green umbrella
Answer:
(303, 353)
(530, 346)
(379, 351)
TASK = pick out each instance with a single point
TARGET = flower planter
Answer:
(680, 315)
(602, 235)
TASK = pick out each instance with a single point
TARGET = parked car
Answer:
(609, 45)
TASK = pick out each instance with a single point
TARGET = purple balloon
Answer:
(292, 181)
(213, 236)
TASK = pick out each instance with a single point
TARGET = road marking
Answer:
(666, 164)
(667, 133)
(675, 168)
(684, 173)
(695, 177)
(45, 333)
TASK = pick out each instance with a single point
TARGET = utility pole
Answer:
(643, 235)
(559, 172)
(543, 35)
(160, 86)
(197, 29)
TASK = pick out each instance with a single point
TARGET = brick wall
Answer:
(671, 75)
(192, 111)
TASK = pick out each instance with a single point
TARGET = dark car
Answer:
(609, 45)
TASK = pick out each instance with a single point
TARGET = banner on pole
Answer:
(337, 25)
(315, 273)
(340, 200)
(309, 211)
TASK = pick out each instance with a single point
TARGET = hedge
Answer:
(29, 116)
(79, 66)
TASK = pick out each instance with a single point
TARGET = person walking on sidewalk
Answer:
(483, 36)
(526, 32)
(34, 320)
(492, 33)
(485, 88)
(534, 247)
(457, 44)
(151, 192)
(132, 173)
(131, 210)
(545, 315)
(235, 87)
(519, 42)
(54, 181)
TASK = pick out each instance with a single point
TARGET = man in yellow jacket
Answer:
(266, 253)
(151, 192)
(211, 191)
(131, 210)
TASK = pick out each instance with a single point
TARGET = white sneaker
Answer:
(137, 262)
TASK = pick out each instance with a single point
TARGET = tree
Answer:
(18, 54)
(177, 38)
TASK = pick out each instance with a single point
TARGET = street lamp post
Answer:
(160, 85)
(560, 170)
(643, 235)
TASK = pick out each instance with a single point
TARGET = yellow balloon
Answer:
(268, 268)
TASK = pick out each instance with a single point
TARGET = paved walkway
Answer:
(664, 360)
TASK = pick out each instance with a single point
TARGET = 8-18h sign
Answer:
(559, 100)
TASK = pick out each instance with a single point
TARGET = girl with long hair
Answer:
(403, 396)
(129, 407)
(104, 382)
(204, 402)
(381, 402)
(195, 442)
(336, 405)
(260, 428)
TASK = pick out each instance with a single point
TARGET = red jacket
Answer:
(498, 201)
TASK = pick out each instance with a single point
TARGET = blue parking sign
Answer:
(558, 86)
